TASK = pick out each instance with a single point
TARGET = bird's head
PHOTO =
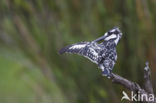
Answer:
(113, 34)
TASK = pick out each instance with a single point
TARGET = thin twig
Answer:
(147, 82)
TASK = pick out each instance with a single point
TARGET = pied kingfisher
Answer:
(103, 53)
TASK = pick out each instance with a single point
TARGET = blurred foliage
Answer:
(32, 32)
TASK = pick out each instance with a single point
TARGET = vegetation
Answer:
(32, 32)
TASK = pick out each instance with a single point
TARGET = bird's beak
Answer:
(100, 38)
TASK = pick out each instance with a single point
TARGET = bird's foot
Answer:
(107, 73)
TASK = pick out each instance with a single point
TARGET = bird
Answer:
(101, 51)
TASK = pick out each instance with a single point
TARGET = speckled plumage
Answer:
(103, 54)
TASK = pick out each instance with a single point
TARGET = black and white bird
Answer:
(103, 54)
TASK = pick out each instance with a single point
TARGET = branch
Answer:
(133, 86)
(124, 82)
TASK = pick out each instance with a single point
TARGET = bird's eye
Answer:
(109, 33)
(116, 32)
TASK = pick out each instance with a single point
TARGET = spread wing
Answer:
(76, 48)
(86, 49)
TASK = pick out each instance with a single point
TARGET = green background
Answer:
(33, 31)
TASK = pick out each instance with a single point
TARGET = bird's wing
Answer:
(74, 48)
(86, 49)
